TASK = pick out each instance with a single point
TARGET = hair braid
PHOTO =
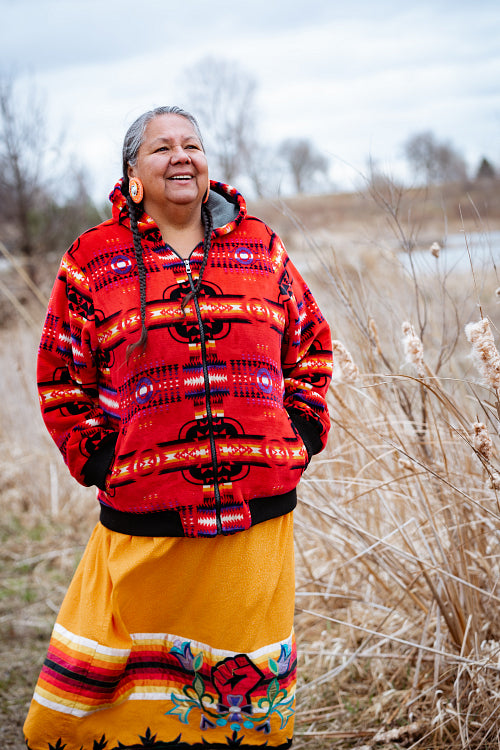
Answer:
(208, 225)
(141, 270)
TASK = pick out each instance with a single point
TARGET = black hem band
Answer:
(168, 522)
(206, 746)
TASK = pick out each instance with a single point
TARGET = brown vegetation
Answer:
(433, 210)
(397, 533)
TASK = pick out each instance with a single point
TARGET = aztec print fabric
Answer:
(209, 429)
(173, 643)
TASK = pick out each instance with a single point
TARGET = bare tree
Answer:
(44, 202)
(304, 162)
(434, 161)
(264, 169)
(22, 150)
(221, 94)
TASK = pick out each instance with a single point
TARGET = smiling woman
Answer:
(183, 371)
(172, 167)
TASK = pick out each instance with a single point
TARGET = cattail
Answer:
(344, 368)
(481, 441)
(435, 249)
(484, 351)
(413, 348)
(372, 327)
(405, 463)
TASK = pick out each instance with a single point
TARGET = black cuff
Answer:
(96, 469)
(309, 432)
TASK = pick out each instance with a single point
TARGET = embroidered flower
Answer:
(182, 651)
(238, 713)
(281, 666)
(265, 727)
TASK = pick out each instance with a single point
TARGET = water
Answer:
(483, 252)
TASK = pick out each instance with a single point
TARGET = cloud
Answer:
(47, 34)
(356, 78)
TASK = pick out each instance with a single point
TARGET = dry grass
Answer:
(45, 520)
(398, 529)
(397, 533)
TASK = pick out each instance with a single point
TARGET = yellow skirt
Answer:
(173, 643)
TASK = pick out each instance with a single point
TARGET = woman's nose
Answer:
(179, 154)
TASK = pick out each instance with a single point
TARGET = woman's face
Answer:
(171, 164)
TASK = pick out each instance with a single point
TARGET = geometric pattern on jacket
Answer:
(209, 429)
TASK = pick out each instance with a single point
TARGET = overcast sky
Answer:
(356, 77)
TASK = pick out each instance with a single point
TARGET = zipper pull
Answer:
(188, 267)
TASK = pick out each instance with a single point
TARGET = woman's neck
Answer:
(181, 229)
(183, 241)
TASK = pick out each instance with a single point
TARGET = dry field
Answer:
(397, 533)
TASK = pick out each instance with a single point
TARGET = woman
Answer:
(183, 370)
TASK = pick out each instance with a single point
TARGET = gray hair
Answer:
(134, 136)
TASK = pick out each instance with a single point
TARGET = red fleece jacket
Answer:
(209, 429)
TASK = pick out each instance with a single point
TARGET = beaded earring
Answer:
(207, 193)
(135, 190)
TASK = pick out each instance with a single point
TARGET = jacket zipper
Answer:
(207, 401)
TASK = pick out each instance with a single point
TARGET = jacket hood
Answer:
(226, 204)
